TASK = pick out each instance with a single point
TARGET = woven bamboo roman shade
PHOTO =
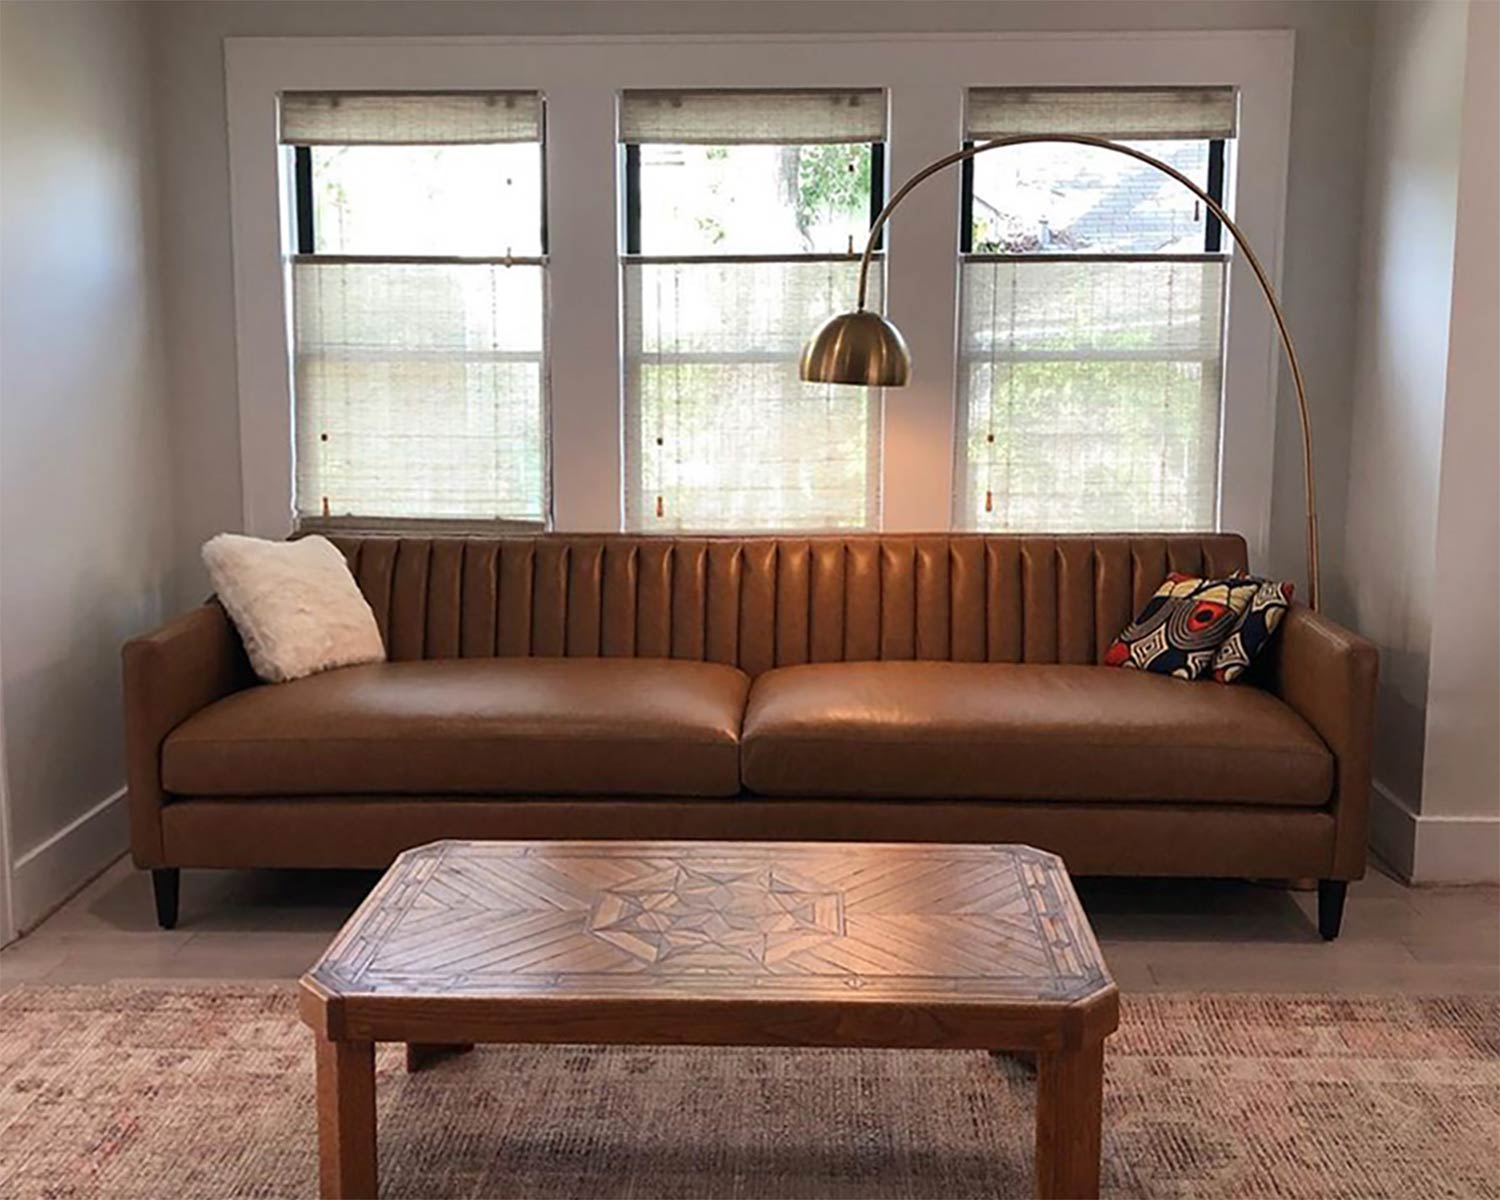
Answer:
(737, 116)
(1122, 114)
(1089, 394)
(420, 381)
(720, 434)
(1090, 377)
(420, 390)
(409, 118)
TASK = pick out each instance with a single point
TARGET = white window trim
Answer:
(925, 77)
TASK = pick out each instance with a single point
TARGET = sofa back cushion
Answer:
(763, 602)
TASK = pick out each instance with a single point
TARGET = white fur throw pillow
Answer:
(295, 604)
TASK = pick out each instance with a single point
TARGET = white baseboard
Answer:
(47, 874)
(1433, 848)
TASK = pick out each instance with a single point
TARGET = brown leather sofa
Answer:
(874, 688)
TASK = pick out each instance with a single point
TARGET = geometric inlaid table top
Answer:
(919, 924)
(716, 943)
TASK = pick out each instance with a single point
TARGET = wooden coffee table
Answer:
(928, 947)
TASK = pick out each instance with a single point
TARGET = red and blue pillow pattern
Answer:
(1194, 627)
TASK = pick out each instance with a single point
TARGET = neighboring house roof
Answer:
(1133, 209)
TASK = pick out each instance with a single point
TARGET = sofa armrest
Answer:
(1328, 674)
(169, 675)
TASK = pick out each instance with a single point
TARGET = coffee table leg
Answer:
(1069, 1104)
(422, 1054)
(346, 1119)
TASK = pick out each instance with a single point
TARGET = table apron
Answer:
(758, 1022)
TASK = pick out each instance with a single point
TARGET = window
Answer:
(745, 213)
(418, 294)
(1092, 305)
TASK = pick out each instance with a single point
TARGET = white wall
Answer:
(1321, 243)
(85, 514)
(1461, 767)
(1396, 436)
(1421, 539)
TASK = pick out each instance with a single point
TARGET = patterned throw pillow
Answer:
(1182, 627)
(1254, 628)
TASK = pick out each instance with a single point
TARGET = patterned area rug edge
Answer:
(134, 1089)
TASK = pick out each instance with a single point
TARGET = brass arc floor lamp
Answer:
(865, 348)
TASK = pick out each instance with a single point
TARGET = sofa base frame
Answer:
(1225, 841)
(1152, 838)
(1232, 841)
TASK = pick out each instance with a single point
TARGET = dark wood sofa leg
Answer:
(1331, 893)
(164, 882)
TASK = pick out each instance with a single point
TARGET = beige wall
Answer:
(1321, 229)
(85, 513)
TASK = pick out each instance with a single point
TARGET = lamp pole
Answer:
(828, 355)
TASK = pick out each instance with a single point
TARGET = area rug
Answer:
(133, 1092)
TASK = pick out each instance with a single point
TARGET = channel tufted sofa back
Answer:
(762, 602)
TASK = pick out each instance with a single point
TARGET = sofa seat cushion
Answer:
(589, 726)
(1025, 732)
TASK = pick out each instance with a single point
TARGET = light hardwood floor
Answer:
(1158, 935)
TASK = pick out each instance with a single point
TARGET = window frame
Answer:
(924, 76)
(302, 204)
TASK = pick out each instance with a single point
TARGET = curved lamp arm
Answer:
(1214, 207)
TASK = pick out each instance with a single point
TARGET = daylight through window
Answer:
(1092, 296)
(418, 298)
(743, 210)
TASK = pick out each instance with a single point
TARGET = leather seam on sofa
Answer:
(1062, 741)
(465, 740)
